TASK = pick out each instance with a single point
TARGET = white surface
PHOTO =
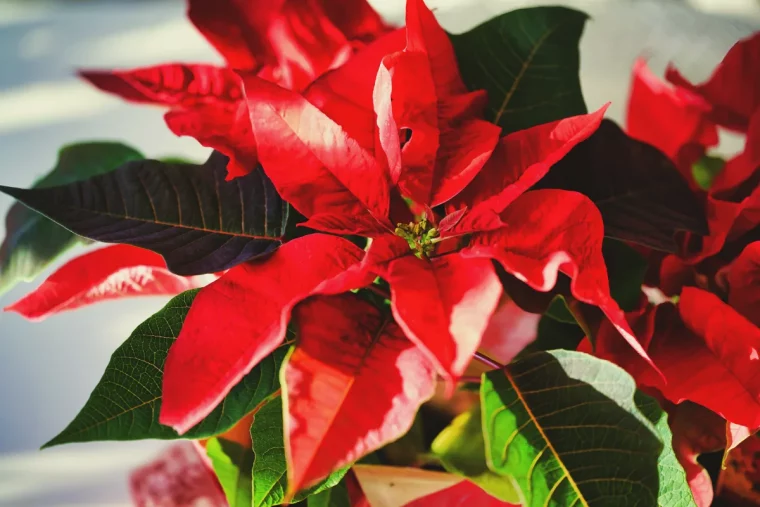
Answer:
(48, 369)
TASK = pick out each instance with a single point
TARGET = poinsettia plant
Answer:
(414, 258)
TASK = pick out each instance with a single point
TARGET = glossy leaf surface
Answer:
(528, 61)
(572, 429)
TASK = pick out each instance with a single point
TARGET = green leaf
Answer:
(461, 448)
(232, 464)
(572, 429)
(178, 159)
(188, 213)
(706, 169)
(32, 241)
(559, 311)
(333, 497)
(554, 334)
(528, 61)
(642, 196)
(126, 402)
(407, 450)
(626, 269)
(269, 466)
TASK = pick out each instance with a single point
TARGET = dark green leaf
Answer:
(407, 450)
(528, 61)
(333, 497)
(640, 193)
(461, 448)
(187, 213)
(559, 311)
(126, 402)
(175, 159)
(32, 241)
(269, 466)
(572, 430)
(232, 464)
(626, 269)
(706, 169)
(554, 334)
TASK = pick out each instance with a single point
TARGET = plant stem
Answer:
(575, 309)
(488, 361)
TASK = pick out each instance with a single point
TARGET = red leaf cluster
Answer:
(706, 340)
(371, 132)
(113, 272)
(289, 42)
(393, 147)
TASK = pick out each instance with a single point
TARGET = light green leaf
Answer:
(706, 169)
(269, 466)
(572, 430)
(126, 402)
(232, 464)
(461, 448)
(32, 241)
(528, 61)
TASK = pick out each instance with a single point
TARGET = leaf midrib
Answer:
(526, 64)
(549, 444)
(179, 226)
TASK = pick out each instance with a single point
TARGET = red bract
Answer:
(519, 161)
(295, 38)
(462, 494)
(553, 231)
(673, 120)
(290, 42)
(696, 430)
(113, 272)
(444, 305)
(343, 188)
(174, 85)
(675, 274)
(240, 319)
(223, 126)
(509, 331)
(355, 174)
(339, 186)
(743, 277)
(707, 352)
(181, 475)
(681, 121)
(361, 355)
(733, 90)
(733, 203)
(345, 94)
(419, 89)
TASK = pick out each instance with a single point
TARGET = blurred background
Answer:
(48, 369)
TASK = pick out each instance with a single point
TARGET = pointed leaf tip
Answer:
(120, 408)
(173, 209)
